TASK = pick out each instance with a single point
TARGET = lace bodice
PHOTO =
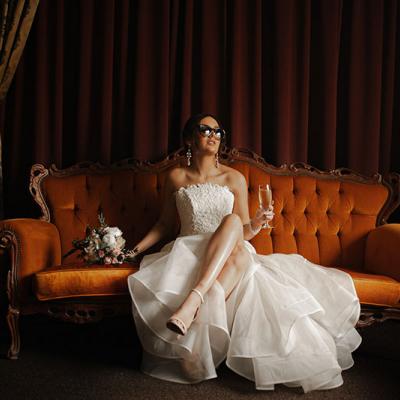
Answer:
(202, 206)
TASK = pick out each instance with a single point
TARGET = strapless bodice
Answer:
(202, 206)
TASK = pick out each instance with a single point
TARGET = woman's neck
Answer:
(204, 166)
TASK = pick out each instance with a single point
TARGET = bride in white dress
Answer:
(207, 296)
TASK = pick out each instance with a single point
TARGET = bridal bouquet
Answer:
(102, 245)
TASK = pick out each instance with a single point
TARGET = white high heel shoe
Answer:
(176, 325)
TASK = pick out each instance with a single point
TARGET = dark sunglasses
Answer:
(206, 131)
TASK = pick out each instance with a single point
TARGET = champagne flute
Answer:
(265, 200)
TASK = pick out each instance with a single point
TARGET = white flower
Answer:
(109, 240)
(113, 231)
(120, 242)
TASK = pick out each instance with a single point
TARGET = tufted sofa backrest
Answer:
(323, 216)
(324, 219)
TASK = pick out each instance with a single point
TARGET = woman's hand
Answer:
(132, 254)
(262, 216)
(136, 250)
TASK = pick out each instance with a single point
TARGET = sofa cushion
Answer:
(78, 280)
(379, 290)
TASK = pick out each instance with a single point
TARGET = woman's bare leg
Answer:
(224, 240)
(222, 244)
(234, 268)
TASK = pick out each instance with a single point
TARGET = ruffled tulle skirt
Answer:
(287, 321)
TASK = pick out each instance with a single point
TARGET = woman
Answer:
(207, 296)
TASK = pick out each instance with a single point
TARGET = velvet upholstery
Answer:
(382, 252)
(374, 289)
(69, 281)
(35, 247)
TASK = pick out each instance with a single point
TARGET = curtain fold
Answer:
(16, 20)
(312, 81)
(16, 17)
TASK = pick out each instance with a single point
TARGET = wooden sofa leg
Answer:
(13, 325)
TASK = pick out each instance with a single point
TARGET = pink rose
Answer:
(101, 253)
(107, 260)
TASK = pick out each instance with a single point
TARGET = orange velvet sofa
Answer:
(334, 218)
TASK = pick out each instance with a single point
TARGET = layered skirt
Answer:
(287, 321)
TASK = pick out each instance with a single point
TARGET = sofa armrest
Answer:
(27, 246)
(382, 253)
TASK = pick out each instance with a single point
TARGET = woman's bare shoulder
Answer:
(235, 179)
(176, 177)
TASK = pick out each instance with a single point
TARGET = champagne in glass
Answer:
(265, 200)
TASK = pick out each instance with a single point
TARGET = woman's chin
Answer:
(209, 151)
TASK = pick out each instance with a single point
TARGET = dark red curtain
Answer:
(314, 81)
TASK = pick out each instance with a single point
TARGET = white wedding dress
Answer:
(287, 321)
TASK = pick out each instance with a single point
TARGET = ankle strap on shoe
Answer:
(200, 295)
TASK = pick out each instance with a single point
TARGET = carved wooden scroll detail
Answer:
(82, 313)
(9, 242)
(370, 316)
(392, 182)
(38, 173)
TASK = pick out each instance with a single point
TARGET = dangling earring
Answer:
(188, 155)
(216, 160)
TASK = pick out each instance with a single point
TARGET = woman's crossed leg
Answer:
(226, 259)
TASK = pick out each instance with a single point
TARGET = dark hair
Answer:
(191, 125)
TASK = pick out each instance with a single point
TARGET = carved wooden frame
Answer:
(9, 241)
(86, 311)
(227, 155)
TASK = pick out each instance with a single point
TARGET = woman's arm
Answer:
(251, 227)
(167, 222)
